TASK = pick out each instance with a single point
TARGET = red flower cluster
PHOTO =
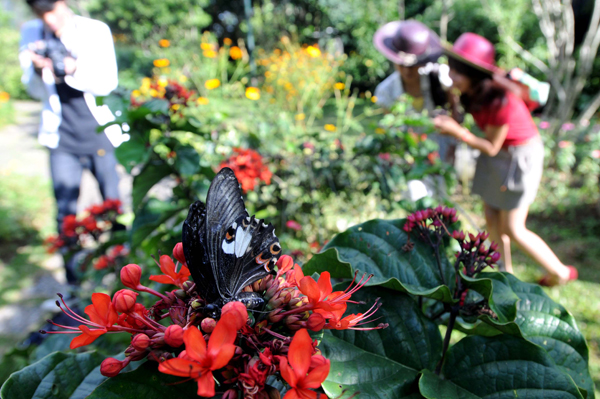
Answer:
(112, 258)
(474, 255)
(248, 167)
(170, 90)
(238, 351)
(99, 219)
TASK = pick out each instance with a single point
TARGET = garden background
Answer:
(202, 82)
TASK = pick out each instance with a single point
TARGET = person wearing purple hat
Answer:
(509, 169)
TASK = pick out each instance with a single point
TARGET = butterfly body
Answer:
(226, 249)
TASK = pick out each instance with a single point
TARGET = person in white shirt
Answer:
(67, 61)
(414, 49)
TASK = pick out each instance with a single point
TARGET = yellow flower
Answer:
(369, 63)
(227, 41)
(300, 117)
(136, 93)
(164, 43)
(380, 130)
(161, 63)
(146, 82)
(202, 100)
(206, 46)
(253, 93)
(329, 127)
(209, 53)
(175, 107)
(339, 85)
(212, 84)
(183, 78)
(162, 82)
(153, 93)
(374, 99)
(313, 51)
(4, 97)
(235, 52)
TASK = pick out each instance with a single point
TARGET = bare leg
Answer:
(514, 221)
(496, 231)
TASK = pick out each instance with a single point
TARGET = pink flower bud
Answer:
(493, 246)
(230, 394)
(178, 253)
(174, 336)
(140, 342)
(484, 236)
(495, 257)
(208, 325)
(110, 367)
(131, 275)
(274, 316)
(124, 301)
(239, 310)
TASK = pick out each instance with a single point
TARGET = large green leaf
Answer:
(551, 326)
(58, 375)
(133, 152)
(145, 382)
(151, 174)
(377, 247)
(187, 161)
(411, 339)
(356, 370)
(151, 215)
(499, 367)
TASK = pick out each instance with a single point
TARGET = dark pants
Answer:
(66, 170)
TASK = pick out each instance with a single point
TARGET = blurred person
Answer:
(415, 49)
(67, 60)
(509, 169)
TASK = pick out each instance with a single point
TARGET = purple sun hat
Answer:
(407, 43)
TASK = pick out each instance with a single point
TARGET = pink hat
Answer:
(407, 43)
(473, 50)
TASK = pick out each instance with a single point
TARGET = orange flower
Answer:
(253, 93)
(236, 53)
(329, 127)
(87, 336)
(339, 85)
(199, 360)
(202, 100)
(162, 63)
(102, 314)
(211, 84)
(209, 53)
(170, 276)
(227, 41)
(4, 97)
(164, 43)
(298, 373)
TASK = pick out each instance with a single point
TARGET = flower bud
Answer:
(315, 322)
(274, 316)
(131, 275)
(124, 301)
(188, 285)
(196, 304)
(272, 393)
(140, 342)
(178, 253)
(495, 257)
(208, 325)
(230, 394)
(239, 311)
(157, 340)
(110, 367)
(181, 294)
(174, 336)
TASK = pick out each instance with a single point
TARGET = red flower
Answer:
(178, 253)
(318, 293)
(124, 301)
(171, 276)
(102, 312)
(298, 373)
(89, 223)
(292, 224)
(102, 263)
(248, 167)
(199, 360)
(69, 225)
(87, 336)
(174, 336)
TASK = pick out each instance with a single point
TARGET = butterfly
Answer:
(225, 249)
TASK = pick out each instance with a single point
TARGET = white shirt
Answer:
(91, 43)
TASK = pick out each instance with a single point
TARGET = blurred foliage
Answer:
(10, 76)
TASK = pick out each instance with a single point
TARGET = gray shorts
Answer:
(511, 179)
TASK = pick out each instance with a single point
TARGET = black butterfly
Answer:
(226, 249)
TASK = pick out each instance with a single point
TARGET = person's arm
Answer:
(96, 65)
(490, 145)
(31, 63)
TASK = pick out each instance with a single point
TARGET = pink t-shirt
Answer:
(513, 113)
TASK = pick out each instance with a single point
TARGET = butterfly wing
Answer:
(196, 255)
(249, 253)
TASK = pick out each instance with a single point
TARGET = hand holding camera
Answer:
(54, 55)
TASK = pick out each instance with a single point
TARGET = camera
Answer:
(55, 50)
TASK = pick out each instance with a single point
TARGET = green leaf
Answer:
(377, 247)
(151, 174)
(157, 105)
(500, 367)
(356, 370)
(151, 215)
(411, 339)
(133, 152)
(58, 375)
(433, 387)
(145, 382)
(187, 161)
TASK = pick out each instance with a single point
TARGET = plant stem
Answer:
(453, 315)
